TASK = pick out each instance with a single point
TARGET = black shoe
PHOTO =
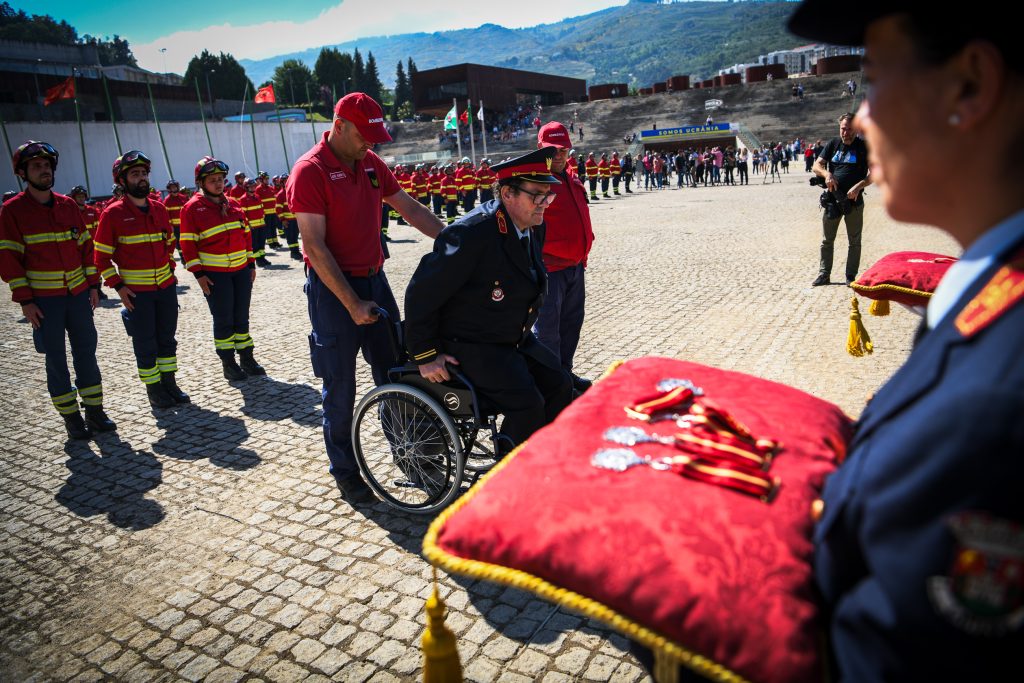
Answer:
(97, 420)
(821, 280)
(171, 387)
(354, 490)
(158, 396)
(76, 427)
(262, 262)
(232, 372)
(249, 364)
(580, 385)
(296, 254)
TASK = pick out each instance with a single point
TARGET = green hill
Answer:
(639, 43)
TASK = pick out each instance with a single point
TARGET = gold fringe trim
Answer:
(891, 288)
(663, 648)
(879, 307)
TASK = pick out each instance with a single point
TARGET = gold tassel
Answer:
(666, 668)
(440, 655)
(879, 307)
(858, 343)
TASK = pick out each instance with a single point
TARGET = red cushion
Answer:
(906, 277)
(719, 574)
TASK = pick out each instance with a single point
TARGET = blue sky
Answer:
(165, 35)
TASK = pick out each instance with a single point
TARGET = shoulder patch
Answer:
(502, 225)
(997, 297)
(984, 592)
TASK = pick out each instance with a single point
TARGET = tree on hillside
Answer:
(226, 76)
(403, 93)
(333, 69)
(371, 79)
(113, 52)
(292, 80)
(37, 28)
(358, 73)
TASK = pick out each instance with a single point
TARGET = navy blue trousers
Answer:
(561, 317)
(229, 298)
(72, 316)
(152, 326)
(333, 346)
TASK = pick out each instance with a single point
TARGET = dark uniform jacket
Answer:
(920, 548)
(476, 287)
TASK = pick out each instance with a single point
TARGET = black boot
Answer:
(249, 363)
(171, 387)
(296, 254)
(75, 425)
(158, 396)
(97, 420)
(232, 372)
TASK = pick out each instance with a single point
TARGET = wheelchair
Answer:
(416, 441)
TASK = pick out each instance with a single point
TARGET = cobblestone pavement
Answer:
(209, 543)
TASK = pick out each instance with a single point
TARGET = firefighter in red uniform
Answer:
(485, 180)
(252, 206)
(465, 178)
(450, 191)
(604, 173)
(592, 174)
(268, 195)
(573, 163)
(216, 243)
(434, 184)
(568, 238)
(615, 168)
(46, 258)
(174, 200)
(404, 179)
(134, 254)
(287, 218)
(238, 189)
(420, 186)
(89, 214)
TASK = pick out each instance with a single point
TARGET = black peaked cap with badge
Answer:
(534, 167)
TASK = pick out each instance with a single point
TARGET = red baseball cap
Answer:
(554, 134)
(365, 114)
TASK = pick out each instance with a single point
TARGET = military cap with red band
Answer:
(534, 167)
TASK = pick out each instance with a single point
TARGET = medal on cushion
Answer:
(709, 448)
(673, 397)
(737, 478)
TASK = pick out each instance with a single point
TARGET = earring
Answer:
(954, 119)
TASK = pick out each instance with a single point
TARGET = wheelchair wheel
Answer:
(408, 448)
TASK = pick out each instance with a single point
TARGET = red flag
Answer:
(63, 91)
(265, 94)
(464, 117)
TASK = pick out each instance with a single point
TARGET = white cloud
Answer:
(349, 20)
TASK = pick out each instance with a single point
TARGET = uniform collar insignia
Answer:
(502, 225)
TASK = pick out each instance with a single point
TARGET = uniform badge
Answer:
(984, 592)
(338, 175)
(372, 175)
(1001, 293)
(497, 294)
(75, 232)
(502, 225)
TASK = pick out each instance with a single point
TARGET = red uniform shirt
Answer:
(91, 217)
(485, 178)
(419, 184)
(465, 178)
(268, 196)
(236, 191)
(140, 244)
(615, 167)
(213, 239)
(591, 168)
(252, 205)
(602, 169)
(434, 182)
(174, 202)
(44, 250)
(450, 188)
(569, 234)
(282, 205)
(404, 181)
(350, 199)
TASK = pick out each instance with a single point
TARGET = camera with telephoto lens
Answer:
(816, 180)
(835, 204)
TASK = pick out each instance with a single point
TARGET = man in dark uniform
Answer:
(473, 300)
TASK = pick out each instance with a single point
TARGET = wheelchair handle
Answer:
(394, 333)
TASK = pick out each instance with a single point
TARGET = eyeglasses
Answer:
(540, 198)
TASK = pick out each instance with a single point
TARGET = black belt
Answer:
(362, 272)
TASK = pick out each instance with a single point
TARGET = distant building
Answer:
(499, 88)
(799, 60)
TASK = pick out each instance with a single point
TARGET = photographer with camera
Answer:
(842, 167)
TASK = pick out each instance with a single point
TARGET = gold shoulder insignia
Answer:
(502, 226)
(1004, 290)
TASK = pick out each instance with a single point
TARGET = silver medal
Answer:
(671, 383)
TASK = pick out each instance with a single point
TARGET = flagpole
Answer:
(241, 123)
(81, 135)
(202, 115)
(159, 131)
(280, 127)
(458, 135)
(483, 128)
(10, 152)
(110, 110)
(252, 127)
(312, 126)
(469, 125)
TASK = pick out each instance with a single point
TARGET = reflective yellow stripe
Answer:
(64, 398)
(13, 246)
(189, 236)
(103, 248)
(193, 262)
(108, 273)
(43, 237)
(18, 282)
(146, 276)
(91, 391)
(175, 221)
(217, 229)
(90, 270)
(142, 239)
(235, 258)
(257, 223)
(55, 279)
(84, 237)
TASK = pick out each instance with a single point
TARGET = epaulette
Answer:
(998, 296)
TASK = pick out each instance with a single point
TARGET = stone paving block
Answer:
(307, 650)
(225, 674)
(331, 661)
(198, 668)
(286, 672)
